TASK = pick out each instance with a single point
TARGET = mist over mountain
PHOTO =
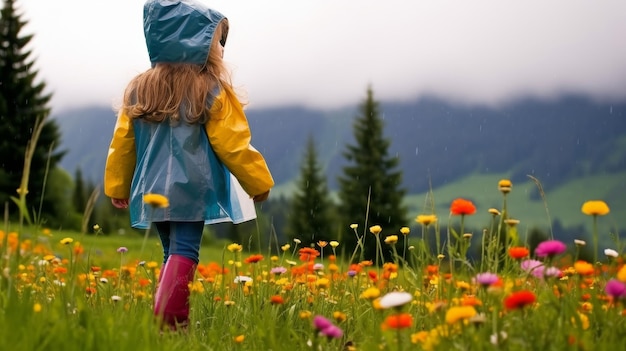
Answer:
(437, 142)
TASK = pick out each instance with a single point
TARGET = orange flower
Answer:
(308, 254)
(584, 267)
(398, 321)
(519, 299)
(253, 259)
(276, 300)
(462, 207)
(518, 252)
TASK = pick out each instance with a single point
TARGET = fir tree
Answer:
(310, 215)
(370, 190)
(22, 103)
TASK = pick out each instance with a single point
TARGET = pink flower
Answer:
(550, 248)
(615, 288)
(486, 278)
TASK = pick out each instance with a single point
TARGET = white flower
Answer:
(611, 253)
(579, 242)
(115, 298)
(242, 279)
(297, 241)
(104, 280)
(395, 299)
(495, 339)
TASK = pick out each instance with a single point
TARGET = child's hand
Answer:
(261, 197)
(120, 203)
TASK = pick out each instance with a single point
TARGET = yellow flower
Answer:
(419, 337)
(156, 200)
(152, 264)
(66, 241)
(334, 243)
(505, 186)
(322, 283)
(391, 239)
(584, 321)
(457, 313)
(426, 220)
(621, 274)
(37, 307)
(239, 338)
(234, 248)
(339, 316)
(405, 230)
(305, 314)
(370, 293)
(354, 225)
(595, 208)
(285, 247)
(375, 229)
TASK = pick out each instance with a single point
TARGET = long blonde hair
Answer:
(178, 90)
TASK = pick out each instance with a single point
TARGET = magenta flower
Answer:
(550, 248)
(486, 279)
(327, 328)
(122, 249)
(615, 289)
(320, 322)
(332, 332)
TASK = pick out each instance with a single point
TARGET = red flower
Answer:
(373, 275)
(519, 299)
(253, 259)
(276, 300)
(461, 207)
(518, 252)
(398, 321)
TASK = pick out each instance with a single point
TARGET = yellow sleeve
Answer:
(229, 135)
(120, 163)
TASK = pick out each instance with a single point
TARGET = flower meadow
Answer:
(58, 294)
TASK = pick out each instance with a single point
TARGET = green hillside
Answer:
(563, 203)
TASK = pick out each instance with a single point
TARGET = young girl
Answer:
(181, 132)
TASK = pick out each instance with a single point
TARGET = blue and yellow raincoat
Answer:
(199, 168)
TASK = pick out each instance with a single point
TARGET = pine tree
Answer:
(22, 103)
(370, 190)
(310, 215)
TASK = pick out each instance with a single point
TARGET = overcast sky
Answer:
(324, 53)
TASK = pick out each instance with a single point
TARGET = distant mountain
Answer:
(436, 141)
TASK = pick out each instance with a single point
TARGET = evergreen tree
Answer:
(310, 214)
(79, 198)
(22, 103)
(370, 190)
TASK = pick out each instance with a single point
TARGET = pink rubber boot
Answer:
(171, 300)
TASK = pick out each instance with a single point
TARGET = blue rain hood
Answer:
(180, 31)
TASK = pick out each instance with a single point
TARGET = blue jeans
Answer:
(180, 238)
